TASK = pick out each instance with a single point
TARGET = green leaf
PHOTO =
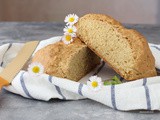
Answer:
(114, 81)
(107, 82)
(115, 78)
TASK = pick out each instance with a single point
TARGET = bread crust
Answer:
(144, 62)
(71, 61)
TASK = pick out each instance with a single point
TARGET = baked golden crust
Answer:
(71, 61)
(125, 50)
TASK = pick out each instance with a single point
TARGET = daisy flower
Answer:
(70, 30)
(68, 38)
(71, 19)
(35, 69)
(94, 83)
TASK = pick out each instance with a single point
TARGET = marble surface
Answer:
(15, 107)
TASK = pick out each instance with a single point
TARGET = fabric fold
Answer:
(134, 95)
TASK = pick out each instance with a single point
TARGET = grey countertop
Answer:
(14, 107)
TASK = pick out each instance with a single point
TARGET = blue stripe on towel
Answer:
(147, 94)
(113, 100)
(156, 47)
(9, 46)
(57, 88)
(50, 79)
(80, 89)
(144, 81)
(24, 86)
(59, 91)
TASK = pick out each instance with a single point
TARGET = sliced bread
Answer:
(71, 61)
(125, 50)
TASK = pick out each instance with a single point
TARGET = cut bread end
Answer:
(125, 50)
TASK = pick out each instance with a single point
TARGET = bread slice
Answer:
(71, 61)
(125, 50)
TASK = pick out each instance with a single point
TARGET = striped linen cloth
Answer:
(143, 94)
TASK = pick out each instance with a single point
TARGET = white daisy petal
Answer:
(97, 88)
(65, 29)
(71, 19)
(67, 38)
(92, 78)
(99, 79)
(66, 18)
(73, 34)
(95, 83)
(70, 30)
(35, 69)
(88, 82)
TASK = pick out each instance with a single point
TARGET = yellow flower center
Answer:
(36, 69)
(70, 30)
(68, 37)
(71, 19)
(94, 84)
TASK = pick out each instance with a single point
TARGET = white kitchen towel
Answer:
(136, 95)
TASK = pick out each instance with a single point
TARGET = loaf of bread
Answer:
(71, 61)
(125, 50)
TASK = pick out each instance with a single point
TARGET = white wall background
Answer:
(126, 11)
